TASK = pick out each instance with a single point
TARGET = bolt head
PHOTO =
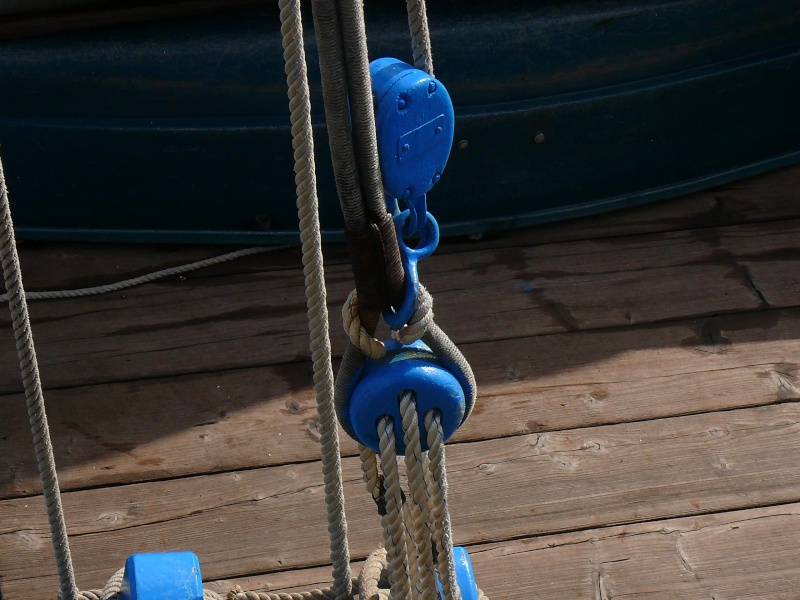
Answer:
(431, 87)
(437, 131)
(406, 193)
(402, 103)
(539, 138)
(406, 147)
(436, 177)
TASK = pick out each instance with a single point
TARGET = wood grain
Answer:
(273, 519)
(737, 555)
(219, 323)
(174, 427)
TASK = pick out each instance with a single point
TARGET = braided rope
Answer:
(420, 35)
(311, 239)
(358, 335)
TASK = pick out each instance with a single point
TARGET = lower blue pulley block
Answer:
(380, 385)
(464, 575)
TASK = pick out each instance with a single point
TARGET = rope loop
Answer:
(420, 320)
(366, 344)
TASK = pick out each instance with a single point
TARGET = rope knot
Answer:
(359, 337)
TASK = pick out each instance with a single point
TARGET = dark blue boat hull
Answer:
(178, 130)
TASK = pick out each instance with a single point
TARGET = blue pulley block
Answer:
(414, 124)
(162, 575)
(378, 387)
(464, 575)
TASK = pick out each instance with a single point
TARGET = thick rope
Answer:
(311, 239)
(422, 567)
(26, 352)
(359, 87)
(237, 594)
(394, 532)
(369, 471)
(371, 576)
(440, 514)
(129, 283)
(420, 35)
(359, 337)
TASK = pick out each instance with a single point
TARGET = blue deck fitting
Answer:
(162, 576)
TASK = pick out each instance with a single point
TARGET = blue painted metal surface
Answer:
(162, 576)
(178, 130)
(428, 241)
(377, 388)
(414, 123)
(464, 574)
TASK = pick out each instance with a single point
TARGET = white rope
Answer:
(34, 397)
(440, 514)
(129, 283)
(311, 238)
(366, 344)
(422, 566)
(394, 531)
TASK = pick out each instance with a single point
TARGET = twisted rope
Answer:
(369, 470)
(393, 528)
(29, 367)
(237, 594)
(420, 320)
(359, 337)
(313, 270)
(420, 35)
(147, 278)
(440, 514)
(422, 566)
(371, 576)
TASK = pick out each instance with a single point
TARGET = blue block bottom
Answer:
(464, 575)
(381, 384)
(162, 576)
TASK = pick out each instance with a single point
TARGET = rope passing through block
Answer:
(379, 386)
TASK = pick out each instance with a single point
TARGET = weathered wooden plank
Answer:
(122, 433)
(768, 258)
(768, 197)
(271, 519)
(749, 554)
(220, 323)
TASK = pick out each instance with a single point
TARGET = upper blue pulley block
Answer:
(414, 123)
(376, 391)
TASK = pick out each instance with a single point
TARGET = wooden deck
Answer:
(637, 433)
